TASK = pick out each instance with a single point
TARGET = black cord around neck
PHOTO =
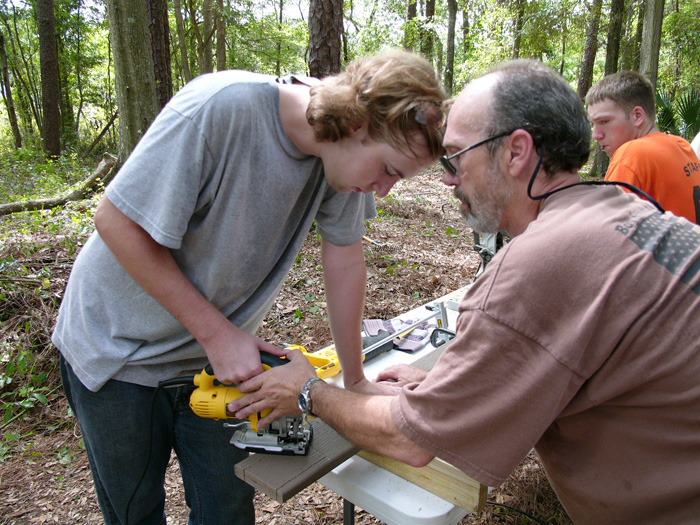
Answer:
(626, 185)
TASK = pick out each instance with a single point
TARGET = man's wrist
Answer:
(304, 400)
(315, 387)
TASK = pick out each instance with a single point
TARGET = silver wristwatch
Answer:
(304, 399)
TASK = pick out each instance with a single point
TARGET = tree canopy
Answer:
(578, 38)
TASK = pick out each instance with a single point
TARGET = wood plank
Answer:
(438, 477)
(428, 361)
(282, 477)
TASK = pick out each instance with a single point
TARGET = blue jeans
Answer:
(122, 434)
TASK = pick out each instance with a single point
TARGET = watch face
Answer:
(303, 405)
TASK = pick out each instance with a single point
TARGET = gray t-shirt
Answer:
(217, 181)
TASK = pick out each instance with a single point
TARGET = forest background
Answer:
(58, 64)
(81, 80)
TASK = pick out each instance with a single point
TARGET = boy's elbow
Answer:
(102, 219)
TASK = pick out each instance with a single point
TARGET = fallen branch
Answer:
(88, 186)
(99, 137)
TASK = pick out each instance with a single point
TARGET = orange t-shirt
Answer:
(665, 167)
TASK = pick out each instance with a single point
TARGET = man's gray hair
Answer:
(532, 96)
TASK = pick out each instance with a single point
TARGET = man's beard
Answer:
(487, 205)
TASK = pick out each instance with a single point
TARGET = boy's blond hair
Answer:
(396, 92)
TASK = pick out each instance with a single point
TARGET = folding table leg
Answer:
(348, 512)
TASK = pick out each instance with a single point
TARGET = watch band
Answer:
(305, 396)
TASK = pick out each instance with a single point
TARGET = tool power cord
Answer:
(168, 383)
(517, 510)
(188, 380)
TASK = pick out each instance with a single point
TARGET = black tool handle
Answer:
(371, 340)
(266, 358)
(440, 336)
(272, 360)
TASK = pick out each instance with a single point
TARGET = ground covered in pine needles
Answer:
(417, 250)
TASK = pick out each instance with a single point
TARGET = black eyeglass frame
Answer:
(445, 160)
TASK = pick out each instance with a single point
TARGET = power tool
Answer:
(286, 435)
(289, 435)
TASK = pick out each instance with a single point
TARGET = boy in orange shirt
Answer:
(622, 108)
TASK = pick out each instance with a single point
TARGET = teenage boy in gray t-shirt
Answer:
(194, 239)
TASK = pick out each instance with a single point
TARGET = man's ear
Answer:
(637, 116)
(520, 148)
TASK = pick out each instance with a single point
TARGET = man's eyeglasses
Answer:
(446, 161)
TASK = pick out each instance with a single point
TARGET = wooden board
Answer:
(282, 477)
(438, 477)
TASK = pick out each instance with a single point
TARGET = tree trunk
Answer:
(69, 122)
(221, 36)
(638, 37)
(134, 72)
(181, 41)
(651, 39)
(157, 12)
(612, 52)
(519, 21)
(564, 33)
(203, 35)
(450, 52)
(78, 114)
(100, 135)
(28, 97)
(600, 163)
(208, 34)
(7, 94)
(409, 33)
(325, 32)
(278, 62)
(465, 28)
(50, 92)
(427, 32)
(586, 76)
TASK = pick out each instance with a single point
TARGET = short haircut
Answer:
(531, 96)
(628, 89)
(396, 92)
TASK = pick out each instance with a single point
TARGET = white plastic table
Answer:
(381, 493)
(387, 496)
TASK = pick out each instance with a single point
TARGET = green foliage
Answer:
(260, 44)
(20, 364)
(680, 116)
(26, 173)
(36, 252)
(679, 65)
(25, 298)
(553, 31)
(665, 114)
(87, 98)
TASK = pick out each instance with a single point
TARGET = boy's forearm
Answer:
(345, 278)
